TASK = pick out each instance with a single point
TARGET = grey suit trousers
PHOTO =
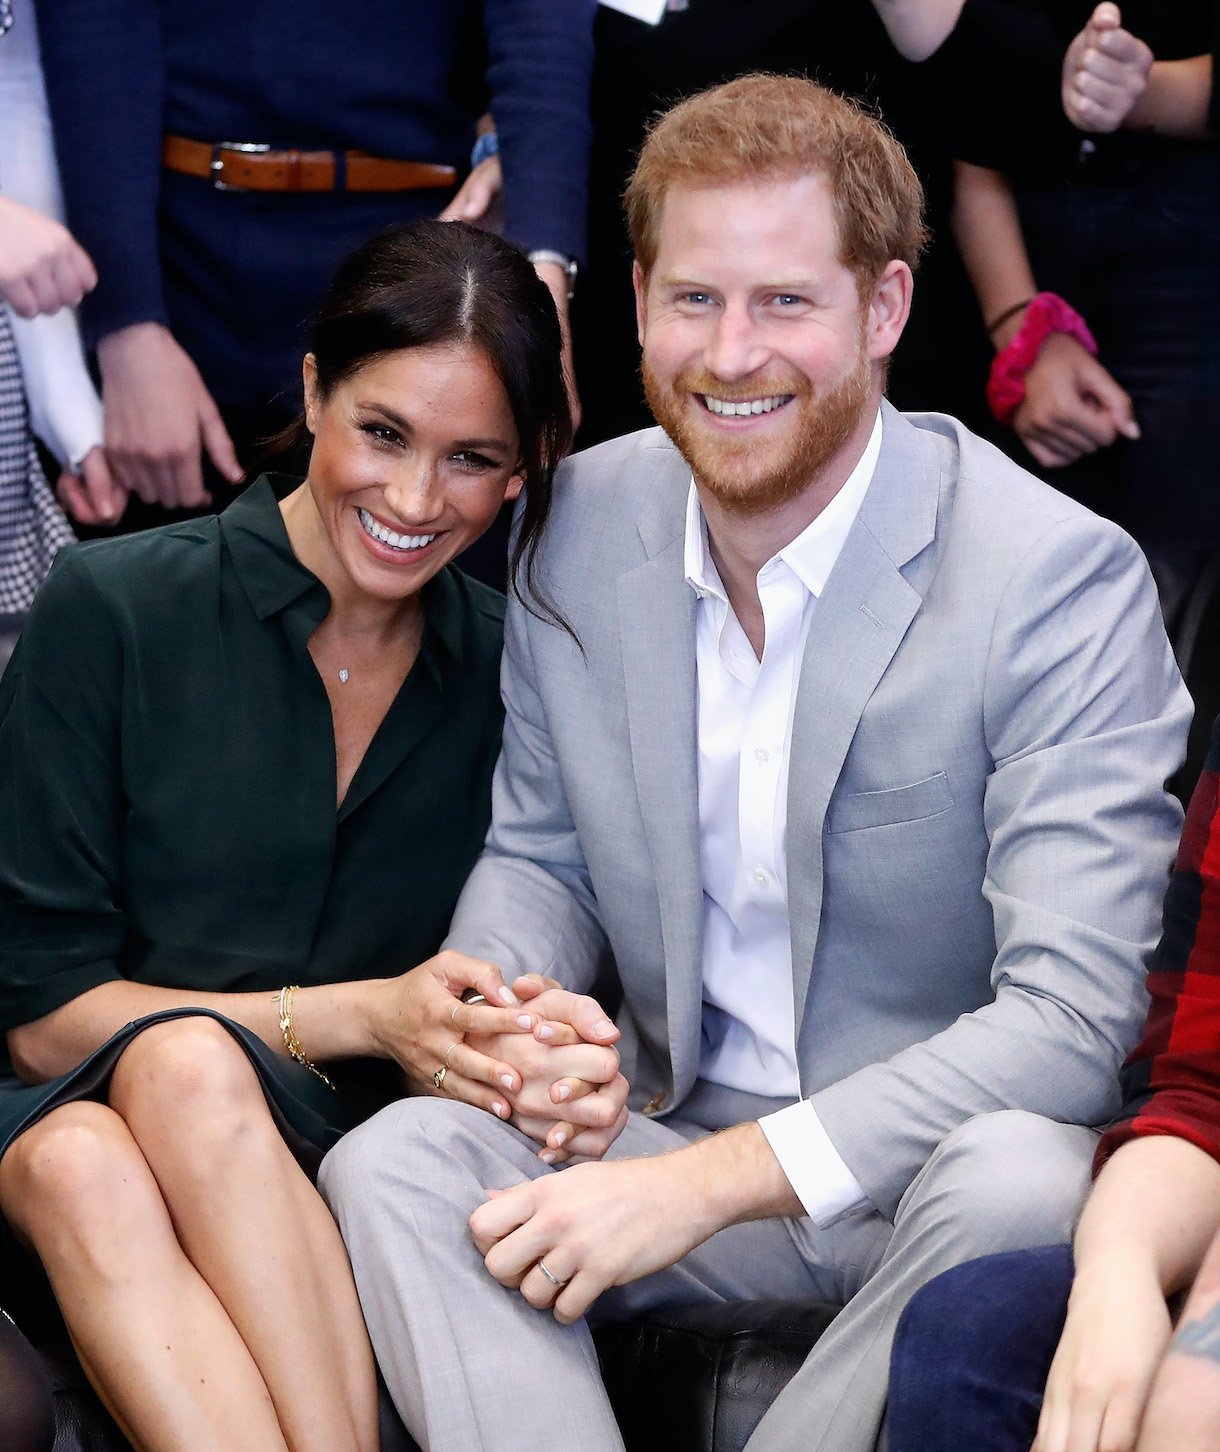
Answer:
(473, 1368)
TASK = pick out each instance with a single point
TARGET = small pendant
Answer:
(343, 676)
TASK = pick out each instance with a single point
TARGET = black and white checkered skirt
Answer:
(32, 526)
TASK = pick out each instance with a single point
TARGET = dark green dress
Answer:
(167, 795)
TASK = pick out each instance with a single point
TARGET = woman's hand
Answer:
(1117, 1329)
(420, 1021)
(42, 266)
(1105, 72)
(569, 1064)
(89, 494)
(1072, 406)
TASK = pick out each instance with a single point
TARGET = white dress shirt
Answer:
(65, 411)
(745, 708)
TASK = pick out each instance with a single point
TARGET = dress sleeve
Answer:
(1171, 1082)
(539, 68)
(61, 921)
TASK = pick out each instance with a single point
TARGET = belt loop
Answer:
(339, 183)
(292, 159)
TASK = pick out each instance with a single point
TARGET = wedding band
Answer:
(439, 1077)
(453, 1015)
(450, 1050)
(554, 1280)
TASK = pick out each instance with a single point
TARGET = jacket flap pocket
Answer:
(921, 799)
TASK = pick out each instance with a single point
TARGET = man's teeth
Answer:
(751, 405)
(387, 536)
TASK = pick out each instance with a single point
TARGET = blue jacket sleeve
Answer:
(540, 62)
(105, 78)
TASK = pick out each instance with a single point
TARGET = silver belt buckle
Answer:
(218, 162)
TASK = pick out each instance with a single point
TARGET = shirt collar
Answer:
(812, 554)
(274, 579)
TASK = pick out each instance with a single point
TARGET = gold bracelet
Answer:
(291, 1042)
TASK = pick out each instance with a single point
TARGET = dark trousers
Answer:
(972, 1353)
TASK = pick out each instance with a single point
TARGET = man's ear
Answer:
(309, 377)
(640, 283)
(889, 306)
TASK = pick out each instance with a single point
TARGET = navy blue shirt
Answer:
(388, 77)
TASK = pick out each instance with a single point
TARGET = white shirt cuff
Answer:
(815, 1169)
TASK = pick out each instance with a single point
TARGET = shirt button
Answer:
(761, 755)
(654, 1104)
(761, 877)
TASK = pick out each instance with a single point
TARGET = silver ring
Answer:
(554, 1280)
(439, 1078)
(450, 1050)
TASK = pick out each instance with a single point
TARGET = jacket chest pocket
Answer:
(914, 803)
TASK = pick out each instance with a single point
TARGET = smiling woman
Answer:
(247, 767)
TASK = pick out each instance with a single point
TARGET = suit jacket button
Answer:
(654, 1104)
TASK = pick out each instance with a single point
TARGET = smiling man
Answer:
(851, 767)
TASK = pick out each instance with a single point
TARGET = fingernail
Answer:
(563, 1091)
(506, 995)
(498, 1109)
(602, 1028)
(546, 1032)
(507, 1081)
(548, 1158)
(560, 1139)
(524, 1021)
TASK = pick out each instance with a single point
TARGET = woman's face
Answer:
(413, 456)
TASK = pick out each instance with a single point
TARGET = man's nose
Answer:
(737, 346)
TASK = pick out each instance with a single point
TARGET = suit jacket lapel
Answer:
(657, 618)
(858, 624)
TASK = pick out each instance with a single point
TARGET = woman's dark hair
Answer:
(430, 283)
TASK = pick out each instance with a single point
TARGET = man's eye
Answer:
(788, 299)
(698, 299)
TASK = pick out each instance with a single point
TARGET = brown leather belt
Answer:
(248, 166)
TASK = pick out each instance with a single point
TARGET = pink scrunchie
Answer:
(1047, 314)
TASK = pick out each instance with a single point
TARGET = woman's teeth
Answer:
(387, 536)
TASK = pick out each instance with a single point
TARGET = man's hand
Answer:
(1105, 72)
(1072, 405)
(158, 418)
(90, 495)
(606, 1225)
(1117, 1329)
(42, 266)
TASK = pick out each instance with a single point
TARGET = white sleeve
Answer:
(65, 411)
(815, 1169)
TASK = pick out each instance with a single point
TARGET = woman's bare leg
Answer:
(254, 1227)
(154, 1340)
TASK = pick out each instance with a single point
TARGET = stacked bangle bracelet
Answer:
(291, 1042)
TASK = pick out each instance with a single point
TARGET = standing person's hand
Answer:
(42, 266)
(477, 194)
(159, 418)
(1105, 72)
(1073, 406)
(557, 281)
(89, 494)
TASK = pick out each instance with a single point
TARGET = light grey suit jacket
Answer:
(978, 838)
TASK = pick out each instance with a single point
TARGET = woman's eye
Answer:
(470, 460)
(381, 432)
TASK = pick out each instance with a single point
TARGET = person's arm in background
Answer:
(1155, 1209)
(102, 62)
(1072, 406)
(1111, 79)
(44, 273)
(539, 67)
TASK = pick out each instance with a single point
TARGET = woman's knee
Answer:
(58, 1173)
(183, 1071)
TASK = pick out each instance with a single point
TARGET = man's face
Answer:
(758, 354)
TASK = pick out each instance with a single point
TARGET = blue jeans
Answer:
(972, 1352)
